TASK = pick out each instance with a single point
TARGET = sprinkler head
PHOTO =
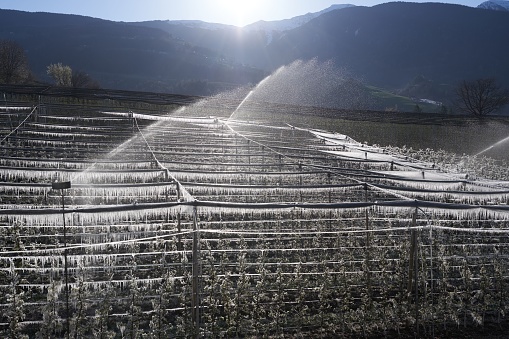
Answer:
(61, 185)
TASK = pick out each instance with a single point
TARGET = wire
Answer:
(14, 130)
(187, 196)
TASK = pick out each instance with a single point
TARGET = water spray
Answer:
(250, 93)
(492, 146)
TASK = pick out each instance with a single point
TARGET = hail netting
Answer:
(229, 227)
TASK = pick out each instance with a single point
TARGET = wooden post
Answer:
(330, 200)
(368, 244)
(411, 264)
(196, 272)
(62, 186)
(413, 270)
(236, 150)
(248, 152)
(329, 182)
(179, 226)
(131, 117)
(66, 275)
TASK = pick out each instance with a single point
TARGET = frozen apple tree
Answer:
(183, 225)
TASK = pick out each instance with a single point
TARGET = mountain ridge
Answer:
(291, 23)
(390, 44)
(386, 46)
(120, 55)
(497, 5)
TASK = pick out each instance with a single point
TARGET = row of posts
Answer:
(412, 284)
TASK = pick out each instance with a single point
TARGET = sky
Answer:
(231, 12)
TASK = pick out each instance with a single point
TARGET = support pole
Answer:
(249, 152)
(62, 186)
(413, 270)
(66, 275)
(368, 245)
(196, 273)
(131, 118)
(179, 227)
(179, 233)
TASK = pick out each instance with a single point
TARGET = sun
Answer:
(242, 12)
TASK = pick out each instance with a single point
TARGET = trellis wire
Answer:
(313, 246)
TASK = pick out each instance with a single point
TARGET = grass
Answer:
(400, 103)
(456, 134)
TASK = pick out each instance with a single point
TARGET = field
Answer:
(187, 224)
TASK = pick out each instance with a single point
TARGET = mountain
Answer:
(245, 45)
(122, 56)
(389, 45)
(231, 43)
(288, 24)
(191, 24)
(421, 50)
(498, 5)
(268, 26)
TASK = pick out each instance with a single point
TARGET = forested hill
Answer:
(120, 55)
(390, 44)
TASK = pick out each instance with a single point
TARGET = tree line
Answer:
(15, 69)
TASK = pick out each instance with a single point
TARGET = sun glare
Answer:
(242, 12)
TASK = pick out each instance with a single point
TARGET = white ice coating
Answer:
(333, 138)
(98, 236)
(195, 120)
(240, 192)
(16, 108)
(21, 124)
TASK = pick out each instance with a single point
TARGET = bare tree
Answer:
(81, 79)
(481, 97)
(13, 63)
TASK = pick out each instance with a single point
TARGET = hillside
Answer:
(233, 44)
(120, 55)
(389, 45)
(245, 45)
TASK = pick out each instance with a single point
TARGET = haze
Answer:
(231, 12)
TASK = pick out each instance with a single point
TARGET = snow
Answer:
(292, 23)
(499, 5)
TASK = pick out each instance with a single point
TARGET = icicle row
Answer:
(17, 127)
